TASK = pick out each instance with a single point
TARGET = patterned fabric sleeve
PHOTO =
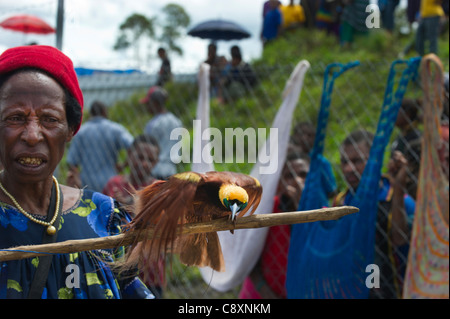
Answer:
(79, 275)
(115, 216)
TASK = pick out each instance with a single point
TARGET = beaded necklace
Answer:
(51, 230)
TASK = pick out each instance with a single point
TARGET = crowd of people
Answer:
(347, 19)
(41, 110)
(396, 200)
(229, 78)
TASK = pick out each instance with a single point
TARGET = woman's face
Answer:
(33, 126)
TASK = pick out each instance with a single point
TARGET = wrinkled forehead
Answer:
(26, 73)
(22, 86)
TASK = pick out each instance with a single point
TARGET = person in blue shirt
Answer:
(93, 153)
(395, 211)
(272, 22)
(160, 126)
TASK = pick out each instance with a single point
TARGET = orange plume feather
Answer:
(186, 198)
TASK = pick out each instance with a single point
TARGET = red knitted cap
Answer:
(48, 59)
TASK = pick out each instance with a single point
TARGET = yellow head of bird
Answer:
(233, 197)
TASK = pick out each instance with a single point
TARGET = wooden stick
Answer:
(254, 221)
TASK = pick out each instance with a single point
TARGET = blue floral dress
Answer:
(82, 275)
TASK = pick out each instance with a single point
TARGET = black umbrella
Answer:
(219, 30)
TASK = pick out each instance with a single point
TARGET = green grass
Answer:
(375, 52)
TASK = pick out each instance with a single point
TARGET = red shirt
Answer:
(275, 255)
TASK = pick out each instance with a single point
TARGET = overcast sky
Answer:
(91, 28)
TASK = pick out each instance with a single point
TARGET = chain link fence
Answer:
(356, 103)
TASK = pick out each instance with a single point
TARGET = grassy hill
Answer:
(357, 100)
(357, 97)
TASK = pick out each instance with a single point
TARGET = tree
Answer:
(134, 27)
(133, 31)
(176, 20)
(139, 29)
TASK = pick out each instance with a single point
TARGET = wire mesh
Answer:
(356, 103)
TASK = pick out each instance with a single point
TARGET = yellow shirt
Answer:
(292, 14)
(431, 8)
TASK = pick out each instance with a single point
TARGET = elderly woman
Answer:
(41, 107)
